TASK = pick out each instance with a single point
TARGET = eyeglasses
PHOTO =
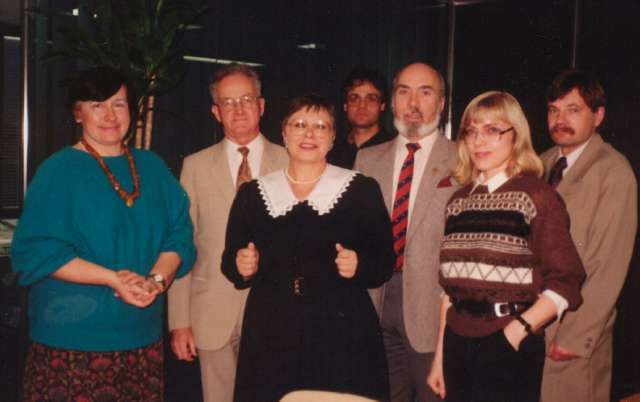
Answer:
(246, 101)
(319, 128)
(487, 133)
(354, 99)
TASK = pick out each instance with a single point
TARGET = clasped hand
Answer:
(247, 260)
(135, 289)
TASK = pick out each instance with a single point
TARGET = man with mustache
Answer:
(600, 191)
(413, 172)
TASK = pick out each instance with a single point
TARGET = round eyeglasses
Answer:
(245, 101)
(319, 128)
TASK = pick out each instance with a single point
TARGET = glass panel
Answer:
(512, 46)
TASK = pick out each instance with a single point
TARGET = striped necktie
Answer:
(400, 214)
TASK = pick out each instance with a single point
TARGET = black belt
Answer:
(298, 286)
(474, 307)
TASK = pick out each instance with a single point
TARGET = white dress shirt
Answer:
(573, 155)
(419, 162)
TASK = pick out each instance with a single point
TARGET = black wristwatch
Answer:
(525, 324)
(158, 279)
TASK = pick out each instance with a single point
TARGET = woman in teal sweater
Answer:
(104, 231)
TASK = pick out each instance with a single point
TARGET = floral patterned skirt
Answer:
(67, 375)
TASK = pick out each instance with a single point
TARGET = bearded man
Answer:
(413, 172)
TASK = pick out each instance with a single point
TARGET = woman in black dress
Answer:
(309, 240)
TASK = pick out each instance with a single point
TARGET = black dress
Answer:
(306, 327)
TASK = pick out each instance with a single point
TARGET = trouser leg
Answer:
(218, 370)
(488, 369)
(408, 368)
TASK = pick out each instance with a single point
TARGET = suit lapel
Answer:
(386, 158)
(549, 157)
(581, 166)
(433, 171)
(220, 174)
(268, 163)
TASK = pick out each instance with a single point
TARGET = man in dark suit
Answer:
(600, 191)
(413, 171)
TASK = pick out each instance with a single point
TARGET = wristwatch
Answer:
(525, 324)
(158, 279)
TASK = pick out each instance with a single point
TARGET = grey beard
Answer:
(416, 131)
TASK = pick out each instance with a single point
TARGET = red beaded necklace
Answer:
(126, 197)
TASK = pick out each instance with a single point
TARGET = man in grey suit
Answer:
(413, 171)
(205, 310)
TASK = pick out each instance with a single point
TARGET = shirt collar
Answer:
(575, 154)
(425, 142)
(279, 199)
(255, 146)
(493, 183)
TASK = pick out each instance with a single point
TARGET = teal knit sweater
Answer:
(71, 210)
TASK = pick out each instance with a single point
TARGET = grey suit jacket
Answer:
(421, 291)
(600, 192)
(204, 299)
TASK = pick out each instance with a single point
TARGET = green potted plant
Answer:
(141, 38)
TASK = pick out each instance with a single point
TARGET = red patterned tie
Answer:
(400, 214)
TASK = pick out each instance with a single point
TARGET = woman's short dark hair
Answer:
(96, 84)
(585, 82)
(311, 101)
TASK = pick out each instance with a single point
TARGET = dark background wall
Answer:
(512, 45)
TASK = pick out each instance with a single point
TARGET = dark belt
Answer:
(474, 307)
(298, 286)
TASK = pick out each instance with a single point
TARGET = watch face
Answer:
(157, 278)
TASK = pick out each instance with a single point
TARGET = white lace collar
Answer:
(279, 199)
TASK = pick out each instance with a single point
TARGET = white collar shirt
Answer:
(419, 162)
(573, 155)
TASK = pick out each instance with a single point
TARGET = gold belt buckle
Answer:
(297, 286)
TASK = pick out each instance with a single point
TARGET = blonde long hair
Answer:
(500, 106)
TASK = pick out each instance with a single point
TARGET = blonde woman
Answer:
(508, 265)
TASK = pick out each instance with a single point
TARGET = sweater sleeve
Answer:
(45, 237)
(560, 265)
(179, 235)
(237, 237)
(374, 244)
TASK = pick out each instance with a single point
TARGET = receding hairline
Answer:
(426, 67)
(232, 70)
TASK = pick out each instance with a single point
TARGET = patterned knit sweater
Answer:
(507, 246)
